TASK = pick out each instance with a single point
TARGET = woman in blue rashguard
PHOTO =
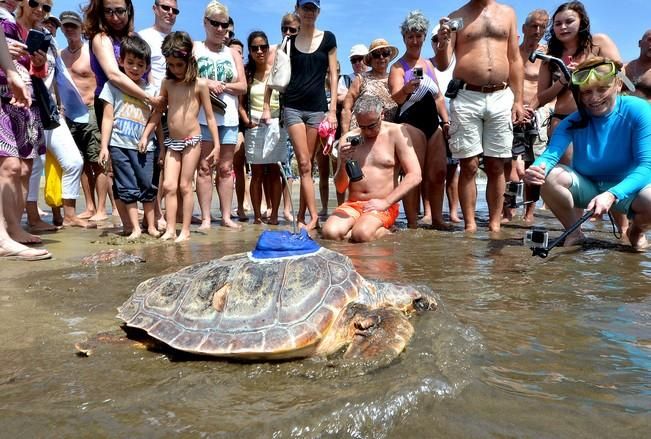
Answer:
(611, 167)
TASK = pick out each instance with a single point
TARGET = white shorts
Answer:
(481, 123)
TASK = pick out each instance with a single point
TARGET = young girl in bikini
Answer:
(185, 95)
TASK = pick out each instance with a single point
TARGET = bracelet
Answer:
(447, 122)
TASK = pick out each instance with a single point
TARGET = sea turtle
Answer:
(243, 306)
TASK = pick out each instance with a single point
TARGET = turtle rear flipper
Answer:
(127, 336)
(379, 333)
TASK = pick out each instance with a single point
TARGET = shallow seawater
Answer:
(520, 347)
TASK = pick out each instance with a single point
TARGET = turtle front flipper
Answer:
(378, 333)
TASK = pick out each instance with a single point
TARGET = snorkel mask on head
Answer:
(600, 72)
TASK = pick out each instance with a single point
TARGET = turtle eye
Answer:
(421, 304)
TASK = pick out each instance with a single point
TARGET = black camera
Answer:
(537, 238)
(355, 140)
(514, 192)
(418, 72)
(353, 170)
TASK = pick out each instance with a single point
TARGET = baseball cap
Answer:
(358, 50)
(305, 2)
(53, 20)
(70, 17)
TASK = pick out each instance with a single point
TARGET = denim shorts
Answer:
(133, 175)
(227, 135)
(309, 118)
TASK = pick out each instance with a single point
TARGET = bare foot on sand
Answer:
(273, 221)
(153, 232)
(78, 222)
(135, 234)
(242, 216)
(168, 235)
(99, 216)
(227, 222)
(441, 225)
(86, 214)
(575, 238)
(182, 237)
(41, 226)
(455, 219)
(162, 224)
(470, 227)
(288, 216)
(637, 238)
(203, 228)
(312, 225)
(257, 220)
(23, 237)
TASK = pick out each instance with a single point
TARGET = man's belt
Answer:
(491, 88)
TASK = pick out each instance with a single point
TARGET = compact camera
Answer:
(37, 40)
(514, 192)
(418, 72)
(455, 24)
(355, 140)
(353, 170)
(536, 238)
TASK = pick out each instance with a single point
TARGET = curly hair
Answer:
(414, 22)
(95, 20)
(250, 67)
(179, 45)
(555, 46)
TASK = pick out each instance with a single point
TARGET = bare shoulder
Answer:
(601, 39)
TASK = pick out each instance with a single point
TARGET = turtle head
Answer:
(407, 298)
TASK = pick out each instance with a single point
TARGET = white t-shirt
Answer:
(444, 77)
(218, 66)
(158, 65)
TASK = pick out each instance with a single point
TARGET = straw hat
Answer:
(380, 43)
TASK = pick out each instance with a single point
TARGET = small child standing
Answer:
(123, 124)
(185, 95)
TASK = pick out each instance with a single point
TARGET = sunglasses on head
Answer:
(118, 12)
(356, 59)
(386, 53)
(259, 47)
(599, 72)
(218, 24)
(166, 8)
(292, 30)
(175, 53)
(34, 4)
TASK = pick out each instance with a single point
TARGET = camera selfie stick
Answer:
(563, 68)
(282, 173)
(544, 251)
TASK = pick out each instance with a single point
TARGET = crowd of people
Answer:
(156, 117)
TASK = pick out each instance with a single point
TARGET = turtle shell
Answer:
(241, 307)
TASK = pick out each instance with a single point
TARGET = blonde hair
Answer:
(21, 8)
(215, 7)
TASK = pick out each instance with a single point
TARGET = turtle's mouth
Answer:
(423, 304)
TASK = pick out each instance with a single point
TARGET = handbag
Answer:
(281, 72)
(218, 105)
(46, 106)
(53, 183)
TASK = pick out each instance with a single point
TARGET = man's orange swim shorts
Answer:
(355, 209)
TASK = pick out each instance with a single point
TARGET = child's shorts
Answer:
(133, 175)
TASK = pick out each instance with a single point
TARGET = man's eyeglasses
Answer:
(371, 126)
(34, 4)
(289, 29)
(600, 72)
(218, 24)
(377, 54)
(168, 9)
(118, 12)
(356, 59)
(261, 48)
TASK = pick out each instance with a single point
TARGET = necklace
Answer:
(72, 52)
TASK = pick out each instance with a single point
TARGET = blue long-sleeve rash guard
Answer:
(613, 148)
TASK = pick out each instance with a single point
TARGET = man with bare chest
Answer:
(488, 98)
(636, 69)
(76, 58)
(379, 150)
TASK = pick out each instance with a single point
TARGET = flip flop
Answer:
(22, 255)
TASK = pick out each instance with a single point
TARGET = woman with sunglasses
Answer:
(313, 52)
(106, 22)
(30, 15)
(373, 82)
(569, 38)
(611, 167)
(224, 70)
(262, 154)
(415, 88)
(21, 129)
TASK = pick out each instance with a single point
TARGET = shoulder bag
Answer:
(46, 106)
(281, 71)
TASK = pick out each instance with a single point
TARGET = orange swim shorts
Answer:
(355, 209)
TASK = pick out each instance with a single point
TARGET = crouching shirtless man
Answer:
(384, 149)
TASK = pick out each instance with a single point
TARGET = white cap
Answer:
(358, 50)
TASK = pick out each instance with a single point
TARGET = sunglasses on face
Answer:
(289, 29)
(309, 7)
(168, 9)
(356, 59)
(218, 24)
(260, 47)
(118, 12)
(34, 4)
(377, 54)
(600, 72)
